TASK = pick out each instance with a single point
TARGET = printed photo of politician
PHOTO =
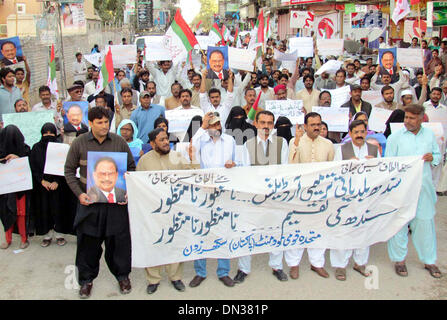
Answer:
(10, 51)
(217, 63)
(105, 177)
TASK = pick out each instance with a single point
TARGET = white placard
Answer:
(437, 115)
(179, 119)
(281, 56)
(291, 109)
(156, 50)
(123, 54)
(436, 127)
(378, 118)
(55, 160)
(411, 58)
(303, 45)
(330, 47)
(15, 176)
(340, 96)
(337, 119)
(94, 58)
(330, 67)
(204, 42)
(289, 65)
(241, 59)
(374, 97)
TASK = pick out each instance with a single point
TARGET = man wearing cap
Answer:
(212, 149)
(356, 104)
(408, 95)
(280, 92)
(308, 95)
(145, 115)
(76, 92)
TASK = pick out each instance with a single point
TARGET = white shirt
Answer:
(223, 109)
(90, 88)
(79, 70)
(269, 95)
(360, 153)
(163, 81)
(212, 154)
(246, 161)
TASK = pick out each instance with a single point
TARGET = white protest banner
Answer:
(340, 96)
(29, 123)
(156, 50)
(436, 115)
(331, 67)
(204, 42)
(55, 160)
(180, 216)
(179, 119)
(374, 97)
(303, 45)
(15, 176)
(286, 108)
(378, 118)
(282, 56)
(123, 54)
(436, 127)
(241, 59)
(411, 58)
(94, 58)
(289, 65)
(337, 119)
(330, 47)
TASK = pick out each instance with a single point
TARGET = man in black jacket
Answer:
(356, 104)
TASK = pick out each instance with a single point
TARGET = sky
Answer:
(190, 8)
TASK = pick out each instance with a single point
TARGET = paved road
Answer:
(39, 273)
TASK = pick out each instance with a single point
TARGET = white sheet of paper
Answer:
(123, 54)
(156, 50)
(281, 56)
(337, 119)
(411, 58)
(94, 58)
(15, 176)
(438, 115)
(374, 97)
(289, 65)
(435, 126)
(378, 118)
(331, 67)
(330, 47)
(241, 59)
(55, 160)
(179, 119)
(340, 96)
(303, 45)
(286, 108)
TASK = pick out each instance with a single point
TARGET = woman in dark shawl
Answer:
(14, 207)
(283, 128)
(237, 126)
(50, 209)
(194, 125)
(397, 115)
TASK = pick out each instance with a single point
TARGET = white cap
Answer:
(444, 39)
(406, 92)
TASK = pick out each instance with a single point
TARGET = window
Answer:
(21, 8)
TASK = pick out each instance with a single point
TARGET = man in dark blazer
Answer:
(388, 67)
(105, 176)
(9, 52)
(217, 62)
(356, 104)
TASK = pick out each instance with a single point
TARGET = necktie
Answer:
(78, 128)
(391, 71)
(220, 75)
(14, 61)
(110, 198)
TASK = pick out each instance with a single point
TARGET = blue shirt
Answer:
(7, 100)
(145, 118)
(404, 143)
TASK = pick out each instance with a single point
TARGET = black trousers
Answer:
(117, 255)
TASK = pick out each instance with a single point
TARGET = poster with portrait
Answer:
(105, 177)
(388, 61)
(10, 52)
(76, 116)
(217, 64)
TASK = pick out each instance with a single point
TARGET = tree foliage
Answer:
(110, 10)
(207, 10)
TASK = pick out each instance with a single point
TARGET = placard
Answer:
(156, 49)
(411, 58)
(15, 176)
(374, 97)
(378, 118)
(330, 47)
(123, 54)
(330, 67)
(436, 127)
(303, 45)
(179, 119)
(241, 59)
(291, 109)
(282, 56)
(55, 159)
(337, 119)
(340, 96)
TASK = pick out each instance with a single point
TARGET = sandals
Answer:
(45, 243)
(5, 245)
(401, 270)
(361, 270)
(340, 274)
(434, 271)
(61, 242)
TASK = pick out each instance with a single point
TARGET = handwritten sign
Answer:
(436, 127)
(219, 213)
(123, 54)
(282, 56)
(411, 58)
(337, 119)
(15, 176)
(303, 45)
(374, 97)
(340, 96)
(289, 65)
(179, 119)
(55, 160)
(156, 50)
(378, 118)
(29, 123)
(437, 115)
(330, 47)
(241, 59)
(286, 108)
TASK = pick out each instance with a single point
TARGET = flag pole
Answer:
(420, 37)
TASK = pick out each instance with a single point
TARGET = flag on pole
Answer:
(267, 29)
(400, 11)
(413, 2)
(52, 81)
(107, 74)
(225, 33)
(260, 34)
(179, 38)
(254, 108)
(252, 25)
(216, 35)
(198, 25)
(237, 38)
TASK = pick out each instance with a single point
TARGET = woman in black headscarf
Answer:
(50, 209)
(397, 115)
(14, 207)
(237, 120)
(283, 128)
(194, 125)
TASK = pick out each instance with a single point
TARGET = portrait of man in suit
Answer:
(9, 53)
(105, 176)
(217, 62)
(74, 116)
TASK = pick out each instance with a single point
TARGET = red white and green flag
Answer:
(215, 34)
(179, 38)
(267, 29)
(254, 108)
(237, 39)
(225, 33)
(52, 81)
(107, 74)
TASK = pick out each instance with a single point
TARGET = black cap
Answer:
(355, 87)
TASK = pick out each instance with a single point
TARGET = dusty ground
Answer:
(39, 273)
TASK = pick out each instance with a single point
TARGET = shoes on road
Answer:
(45, 243)
(196, 281)
(240, 277)
(178, 285)
(152, 288)
(86, 290)
(227, 281)
(320, 271)
(5, 245)
(280, 275)
(24, 245)
(125, 286)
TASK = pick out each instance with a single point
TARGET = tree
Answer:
(207, 10)
(110, 11)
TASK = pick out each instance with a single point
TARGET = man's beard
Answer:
(152, 94)
(215, 133)
(163, 152)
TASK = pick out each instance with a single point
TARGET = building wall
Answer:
(7, 8)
